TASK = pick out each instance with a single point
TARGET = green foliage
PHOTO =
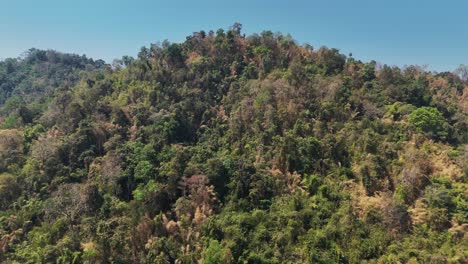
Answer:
(430, 121)
(215, 253)
(11, 121)
(230, 149)
(399, 110)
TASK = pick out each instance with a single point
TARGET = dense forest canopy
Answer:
(229, 148)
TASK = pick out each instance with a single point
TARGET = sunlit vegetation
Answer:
(229, 148)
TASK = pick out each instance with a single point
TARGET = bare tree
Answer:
(43, 149)
(462, 72)
(69, 201)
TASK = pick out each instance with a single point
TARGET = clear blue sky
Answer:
(396, 32)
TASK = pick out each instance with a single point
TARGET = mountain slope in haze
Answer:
(27, 83)
(229, 148)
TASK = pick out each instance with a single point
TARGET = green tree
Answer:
(430, 121)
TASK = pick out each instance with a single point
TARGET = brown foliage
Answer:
(11, 146)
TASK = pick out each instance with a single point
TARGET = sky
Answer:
(396, 32)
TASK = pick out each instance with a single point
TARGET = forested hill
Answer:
(27, 84)
(229, 148)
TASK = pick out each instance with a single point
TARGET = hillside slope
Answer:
(231, 149)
